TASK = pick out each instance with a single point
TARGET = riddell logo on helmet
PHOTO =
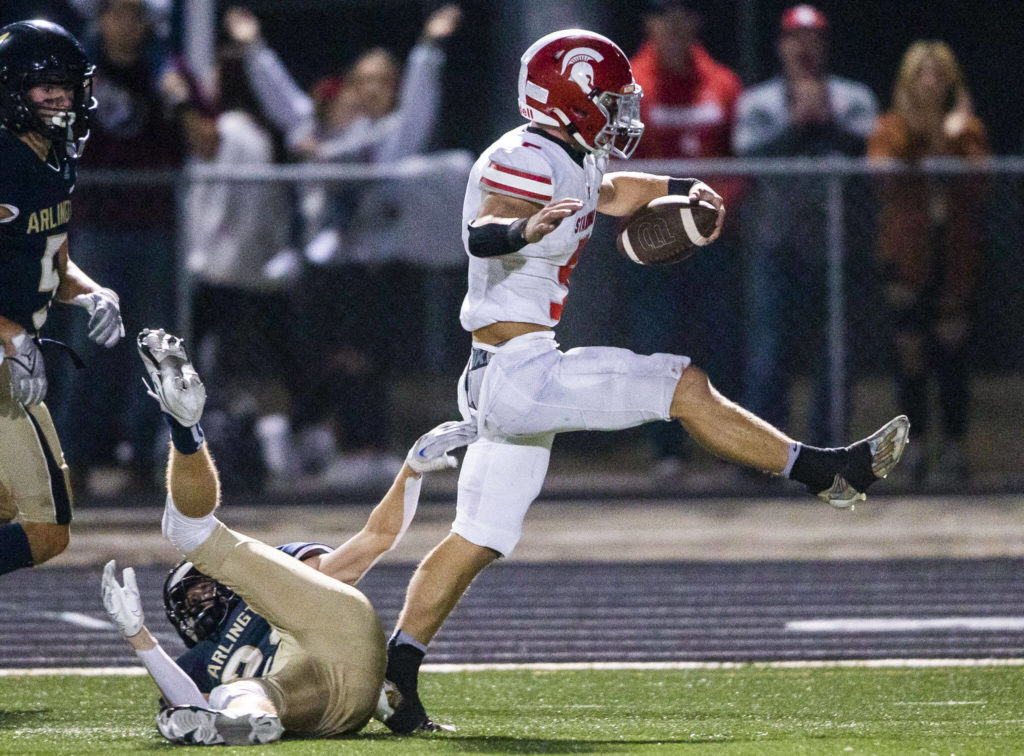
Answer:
(577, 61)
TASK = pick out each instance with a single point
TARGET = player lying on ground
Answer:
(327, 670)
(530, 205)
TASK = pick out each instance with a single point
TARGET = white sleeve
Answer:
(520, 172)
(418, 104)
(282, 100)
(178, 688)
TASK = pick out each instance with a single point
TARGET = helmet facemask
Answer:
(623, 127)
(196, 604)
(70, 126)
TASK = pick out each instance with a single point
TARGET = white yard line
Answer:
(904, 624)
(588, 666)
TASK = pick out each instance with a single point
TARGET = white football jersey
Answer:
(531, 285)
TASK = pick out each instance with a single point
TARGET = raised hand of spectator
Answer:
(443, 22)
(242, 25)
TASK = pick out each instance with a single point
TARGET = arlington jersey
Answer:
(37, 197)
(531, 285)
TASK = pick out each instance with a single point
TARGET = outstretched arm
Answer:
(391, 517)
(124, 606)
(624, 192)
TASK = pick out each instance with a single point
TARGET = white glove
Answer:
(28, 374)
(430, 452)
(123, 603)
(104, 308)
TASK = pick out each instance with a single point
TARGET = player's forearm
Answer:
(177, 687)
(142, 640)
(383, 531)
(74, 281)
(624, 192)
(8, 330)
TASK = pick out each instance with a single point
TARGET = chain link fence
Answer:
(345, 308)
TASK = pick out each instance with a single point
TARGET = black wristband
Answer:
(517, 234)
(681, 185)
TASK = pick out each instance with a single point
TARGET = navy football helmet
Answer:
(196, 604)
(40, 52)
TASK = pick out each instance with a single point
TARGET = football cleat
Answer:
(174, 383)
(873, 458)
(192, 725)
(409, 717)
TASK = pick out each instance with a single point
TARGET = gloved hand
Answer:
(123, 603)
(430, 452)
(104, 308)
(28, 374)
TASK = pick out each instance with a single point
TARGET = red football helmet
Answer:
(583, 82)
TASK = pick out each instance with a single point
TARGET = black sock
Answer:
(15, 551)
(185, 440)
(817, 468)
(404, 667)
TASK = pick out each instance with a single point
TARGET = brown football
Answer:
(667, 230)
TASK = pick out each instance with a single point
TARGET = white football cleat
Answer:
(174, 383)
(192, 725)
(883, 449)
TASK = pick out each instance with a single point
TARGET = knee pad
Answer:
(186, 533)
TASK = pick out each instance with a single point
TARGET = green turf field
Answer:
(744, 710)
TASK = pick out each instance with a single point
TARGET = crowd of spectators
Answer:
(265, 259)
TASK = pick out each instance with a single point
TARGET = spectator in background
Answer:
(687, 110)
(126, 238)
(804, 111)
(376, 115)
(233, 231)
(930, 244)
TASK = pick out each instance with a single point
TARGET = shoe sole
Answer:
(886, 445)
(191, 725)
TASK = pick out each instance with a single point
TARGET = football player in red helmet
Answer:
(582, 82)
(530, 205)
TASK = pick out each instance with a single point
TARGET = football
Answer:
(667, 230)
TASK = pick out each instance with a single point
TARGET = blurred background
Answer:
(281, 182)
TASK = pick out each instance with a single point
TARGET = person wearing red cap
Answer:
(688, 107)
(803, 111)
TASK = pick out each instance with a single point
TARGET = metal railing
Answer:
(421, 225)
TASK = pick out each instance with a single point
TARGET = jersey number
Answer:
(244, 662)
(49, 279)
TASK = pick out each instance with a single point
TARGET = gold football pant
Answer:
(328, 671)
(33, 475)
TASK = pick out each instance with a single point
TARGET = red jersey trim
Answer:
(506, 189)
